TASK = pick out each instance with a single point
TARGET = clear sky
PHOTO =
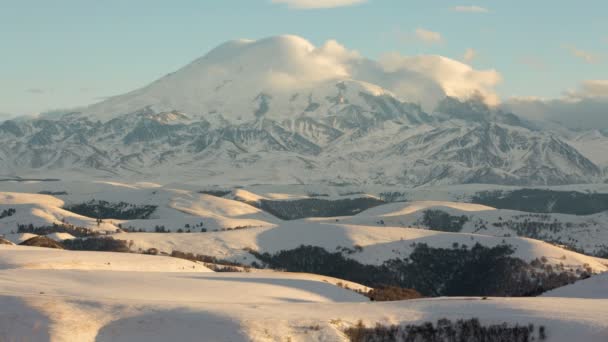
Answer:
(65, 53)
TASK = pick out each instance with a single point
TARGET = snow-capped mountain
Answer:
(280, 110)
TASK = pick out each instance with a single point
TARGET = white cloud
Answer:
(470, 9)
(314, 4)
(436, 77)
(586, 56)
(469, 55)
(590, 89)
(583, 108)
(289, 63)
(428, 36)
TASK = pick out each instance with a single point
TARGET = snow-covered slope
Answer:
(35, 258)
(405, 208)
(175, 208)
(594, 287)
(587, 233)
(42, 210)
(48, 294)
(593, 145)
(67, 305)
(241, 78)
(378, 243)
(189, 210)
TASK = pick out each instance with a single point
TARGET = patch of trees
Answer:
(42, 241)
(107, 210)
(19, 179)
(442, 221)
(544, 201)
(535, 226)
(317, 207)
(53, 193)
(460, 271)
(346, 250)
(544, 227)
(222, 268)
(316, 194)
(161, 229)
(446, 331)
(352, 193)
(197, 228)
(216, 193)
(602, 252)
(393, 196)
(7, 212)
(392, 293)
(131, 229)
(208, 259)
(99, 244)
(57, 228)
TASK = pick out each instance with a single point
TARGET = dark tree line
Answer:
(99, 244)
(445, 330)
(317, 207)
(392, 293)
(476, 271)
(107, 210)
(42, 241)
(544, 201)
(442, 221)
(57, 228)
(7, 212)
(53, 193)
(216, 193)
(223, 265)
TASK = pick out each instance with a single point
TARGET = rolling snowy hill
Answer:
(586, 233)
(67, 304)
(176, 209)
(61, 295)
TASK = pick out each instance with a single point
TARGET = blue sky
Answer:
(64, 53)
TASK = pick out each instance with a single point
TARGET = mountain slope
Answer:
(280, 110)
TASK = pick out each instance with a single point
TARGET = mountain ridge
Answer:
(272, 107)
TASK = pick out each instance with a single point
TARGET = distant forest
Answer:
(460, 271)
(544, 201)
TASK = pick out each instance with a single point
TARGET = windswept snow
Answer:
(23, 257)
(594, 287)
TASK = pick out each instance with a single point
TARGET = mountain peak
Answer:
(275, 45)
(226, 81)
(222, 86)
